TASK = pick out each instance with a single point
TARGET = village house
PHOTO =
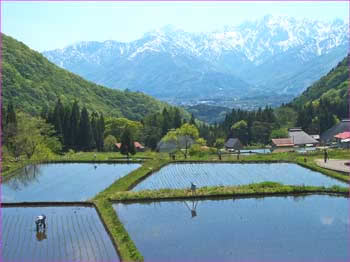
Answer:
(282, 145)
(343, 139)
(138, 146)
(233, 144)
(300, 138)
(328, 136)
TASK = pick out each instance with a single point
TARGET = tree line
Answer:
(251, 127)
(76, 129)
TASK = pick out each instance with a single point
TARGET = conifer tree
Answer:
(166, 124)
(86, 139)
(192, 121)
(101, 132)
(58, 117)
(127, 143)
(67, 128)
(74, 126)
(177, 118)
(10, 124)
(95, 129)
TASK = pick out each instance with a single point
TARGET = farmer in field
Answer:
(325, 156)
(40, 221)
(193, 188)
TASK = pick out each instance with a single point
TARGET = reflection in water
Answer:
(192, 208)
(299, 198)
(248, 229)
(41, 235)
(72, 233)
(180, 176)
(62, 182)
(26, 176)
(327, 220)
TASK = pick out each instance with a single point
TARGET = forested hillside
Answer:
(31, 82)
(333, 86)
(324, 103)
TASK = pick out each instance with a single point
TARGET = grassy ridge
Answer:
(255, 189)
(126, 247)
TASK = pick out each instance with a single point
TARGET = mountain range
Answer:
(275, 58)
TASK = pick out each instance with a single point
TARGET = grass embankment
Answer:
(125, 245)
(10, 165)
(256, 189)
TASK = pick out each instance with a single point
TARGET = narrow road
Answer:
(334, 164)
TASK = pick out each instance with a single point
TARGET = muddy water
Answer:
(225, 174)
(311, 228)
(62, 182)
(71, 234)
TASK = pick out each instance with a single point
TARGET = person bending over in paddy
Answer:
(40, 221)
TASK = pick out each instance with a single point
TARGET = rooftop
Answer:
(280, 142)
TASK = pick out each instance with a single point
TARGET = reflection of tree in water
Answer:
(299, 198)
(192, 208)
(25, 177)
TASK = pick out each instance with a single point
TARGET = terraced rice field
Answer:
(303, 228)
(73, 233)
(176, 176)
(62, 182)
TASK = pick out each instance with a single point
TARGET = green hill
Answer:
(324, 103)
(334, 87)
(31, 82)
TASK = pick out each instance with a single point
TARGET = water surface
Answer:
(311, 228)
(62, 182)
(255, 151)
(181, 175)
(73, 233)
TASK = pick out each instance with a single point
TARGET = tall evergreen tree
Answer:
(192, 121)
(67, 128)
(177, 118)
(58, 118)
(86, 139)
(95, 129)
(101, 132)
(166, 124)
(127, 143)
(74, 126)
(10, 127)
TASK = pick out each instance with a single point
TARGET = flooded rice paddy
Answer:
(73, 233)
(255, 151)
(62, 182)
(310, 228)
(176, 176)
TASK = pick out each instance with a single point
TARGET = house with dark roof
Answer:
(300, 138)
(233, 144)
(282, 144)
(328, 136)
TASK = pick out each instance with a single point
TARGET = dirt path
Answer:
(333, 164)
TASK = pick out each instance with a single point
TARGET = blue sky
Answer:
(50, 25)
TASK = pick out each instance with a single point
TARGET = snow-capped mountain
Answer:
(275, 54)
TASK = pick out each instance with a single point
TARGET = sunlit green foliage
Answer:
(32, 82)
